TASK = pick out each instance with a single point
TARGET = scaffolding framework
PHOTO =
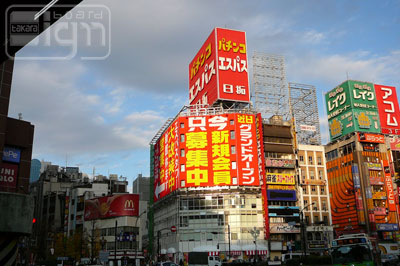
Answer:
(303, 102)
(271, 94)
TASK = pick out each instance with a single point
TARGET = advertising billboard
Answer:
(283, 179)
(352, 106)
(389, 187)
(280, 163)
(395, 143)
(373, 138)
(388, 106)
(8, 175)
(208, 151)
(166, 162)
(112, 206)
(11, 155)
(284, 228)
(283, 195)
(219, 71)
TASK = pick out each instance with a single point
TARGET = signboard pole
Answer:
(115, 246)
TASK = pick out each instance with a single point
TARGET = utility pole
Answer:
(229, 241)
(115, 246)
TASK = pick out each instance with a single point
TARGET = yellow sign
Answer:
(363, 120)
(284, 179)
(279, 187)
(336, 128)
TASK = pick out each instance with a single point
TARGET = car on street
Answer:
(389, 260)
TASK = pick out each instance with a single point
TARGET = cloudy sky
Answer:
(103, 113)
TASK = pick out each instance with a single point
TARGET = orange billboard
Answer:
(219, 71)
(207, 151)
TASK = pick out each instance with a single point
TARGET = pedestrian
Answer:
(181, 263)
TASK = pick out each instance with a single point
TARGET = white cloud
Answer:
(68, 121)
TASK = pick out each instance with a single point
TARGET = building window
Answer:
(182, 137)
(253, 206)
(322, 190)
(307, 220)
(323, 205)
(182, 168)
(305, 190)
(233, 165)
(301, 158)
(319, 161)
(315, 206)
(321, 175)
(310, 160)
(312, 176)
(325, 220)
(232, 122)
(233, 149)
(305, 202)
(316, 220)
(313, 188)
(182, 152)
(182, 125)
(232, 134)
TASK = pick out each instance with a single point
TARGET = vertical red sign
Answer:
(219, 71)
(203, 74)
(247, 161)
(233, 79)
(388, 106)
(389, 186)
(261, 169)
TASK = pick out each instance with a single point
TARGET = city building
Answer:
(208, 171)
(281, 183)
(314, 198)
(115, 224)
(35, 170)
(141, 186)
(359, 161)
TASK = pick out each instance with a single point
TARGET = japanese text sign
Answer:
(352, 106)
(208, 151)
(284, 179)
(389, 112)
(219, 70)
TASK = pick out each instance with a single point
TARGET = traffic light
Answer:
(34, 220)
(218, 246)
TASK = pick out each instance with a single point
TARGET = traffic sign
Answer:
(173, 229)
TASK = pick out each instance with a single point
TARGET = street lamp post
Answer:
(255, 233)
(302, 227)
(136, 242)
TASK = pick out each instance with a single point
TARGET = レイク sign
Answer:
(219, 70)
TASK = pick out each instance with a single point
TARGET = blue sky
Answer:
(103, 113)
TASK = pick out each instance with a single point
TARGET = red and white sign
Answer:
(208, 151)
(112, 206)
(8, 175)
(173, 229)
(395, 144)
(219, 71)
(388, 106)
(389, 188)
(373, 138)
(259, 252)
(213, 253)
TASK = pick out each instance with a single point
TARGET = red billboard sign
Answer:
(219, 71)
(112, 206)
(207, 151)
(368, 137)
(395, 144)
(8, 175)
(389, 187)
(388, 107)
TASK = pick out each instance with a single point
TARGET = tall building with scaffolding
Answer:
(304, 107)
(271, 95)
